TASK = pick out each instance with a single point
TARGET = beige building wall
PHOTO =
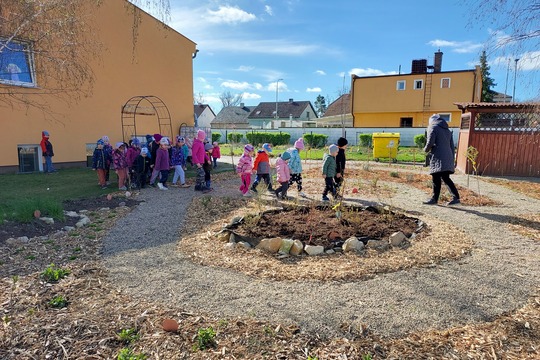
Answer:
(160, 65)
(376, 102)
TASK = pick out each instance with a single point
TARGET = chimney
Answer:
(291, 101)
(241, 105)
(437, 62)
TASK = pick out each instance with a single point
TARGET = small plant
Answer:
(367, 357)
(72, 258)
(409, 177)
(31, 257)
(394, 174)
(206, 338)
(374, 182)
(53, 274)
(128, 354)
(205, 201)
(312, 358)
(58, 302)
(268, 330)
(366, 167)
(77, 249)
(222, 323)
(128, 336)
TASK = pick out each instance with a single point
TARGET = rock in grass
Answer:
(296, 248)
(271, 245)
(314, 250)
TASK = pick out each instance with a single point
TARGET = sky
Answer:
(298, 49)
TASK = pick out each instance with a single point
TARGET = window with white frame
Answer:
(16, 63)
(418, 84)
(400, 85)
(445, 83)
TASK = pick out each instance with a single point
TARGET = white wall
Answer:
(352, 134)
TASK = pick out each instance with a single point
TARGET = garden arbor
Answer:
(145, 106)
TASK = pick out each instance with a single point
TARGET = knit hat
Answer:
(215, 143)
(208, 147)
(248, 148)
(148, 138)
(164, 141)
(267, 147)
(158, 137)
(342, 142)
(136, 142)
(433, 117)
(179, 138)
(118, 144)
(332, 149)
(45, 133)
(100, 142)
(105, 138)
(299, 144)
(201, 135)
(286, 155)
(144, 151)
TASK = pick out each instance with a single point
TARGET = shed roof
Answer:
(233, 115)
(340, 106)
(266, 110)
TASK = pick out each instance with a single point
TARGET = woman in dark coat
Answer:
(441, 145)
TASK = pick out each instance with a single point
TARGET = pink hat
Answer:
(299, 144)
(201, 135)
(157, 137)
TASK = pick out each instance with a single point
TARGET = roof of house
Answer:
(233, 115)
(266, 110)
(488, 105)
(340, 106)
(199, 108)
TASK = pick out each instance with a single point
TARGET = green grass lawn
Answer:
(354, 153)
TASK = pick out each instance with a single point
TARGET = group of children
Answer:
(289, 169)
(138, 164)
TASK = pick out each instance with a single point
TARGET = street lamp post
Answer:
(515, 76)
(277, 90)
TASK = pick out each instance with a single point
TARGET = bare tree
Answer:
(198, 98)
(228, 99)
(56, 37)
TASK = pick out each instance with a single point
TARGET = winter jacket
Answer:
(46, 146)
(262, 162)
(207, 166)
(197, 152)
(154, 146)
(216, 152)
(119, 159)
(109, 150)
(162, 160)
(100, 159)
(282, 169)
(295, 163)
(441, 145)
(329, 165)
(177, 156)
(185, 151)
(142, 164)
(340, 161)
(245, 165)
(131, 155)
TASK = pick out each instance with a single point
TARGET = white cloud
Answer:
(369, 72)
(228, 15)
(250, 96)
(461, 47)
(528, 61)
(314, 90)
(245, 68)
(236, 85)
(258, 86)
(282, 86)
(256, 46)
(268, 10)
(320, 72)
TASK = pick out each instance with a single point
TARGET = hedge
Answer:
(216, 137)
(366, 140)
(420, 140)
(316, 140)
(235, 137)
(257, 138)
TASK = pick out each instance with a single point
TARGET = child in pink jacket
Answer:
(244, 168)
(283, 175)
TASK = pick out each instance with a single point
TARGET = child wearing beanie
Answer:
(198, 155)
(142, 168)
(208, 165)
(329, 171)
(295, 165)
(283, 175)
(120, 165)
(163, 164)
(244, 168)
(216, 152)
(178, 162)
(100, 159)
(261, 166)
(107, 147)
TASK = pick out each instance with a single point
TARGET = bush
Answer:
(316, 140)
(256, 138)
(216, 137)
(235, 137)
(420, 140)
(366, 140)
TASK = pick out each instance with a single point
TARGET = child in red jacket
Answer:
(261, 167)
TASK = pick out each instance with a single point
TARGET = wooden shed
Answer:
(506, 137)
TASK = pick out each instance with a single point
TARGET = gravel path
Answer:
(499, 276)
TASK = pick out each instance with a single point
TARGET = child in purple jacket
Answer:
(244, 168)
(162, 163)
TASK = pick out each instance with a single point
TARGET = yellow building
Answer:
(142, 84)
(408, 100)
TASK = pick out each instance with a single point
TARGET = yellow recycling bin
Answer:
(385, 145)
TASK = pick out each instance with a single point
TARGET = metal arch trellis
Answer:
(133, 107)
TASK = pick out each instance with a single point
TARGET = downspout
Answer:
(194, 55)
(353, 78)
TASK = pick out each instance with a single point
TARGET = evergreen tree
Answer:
(320, 105)
(487, 81)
